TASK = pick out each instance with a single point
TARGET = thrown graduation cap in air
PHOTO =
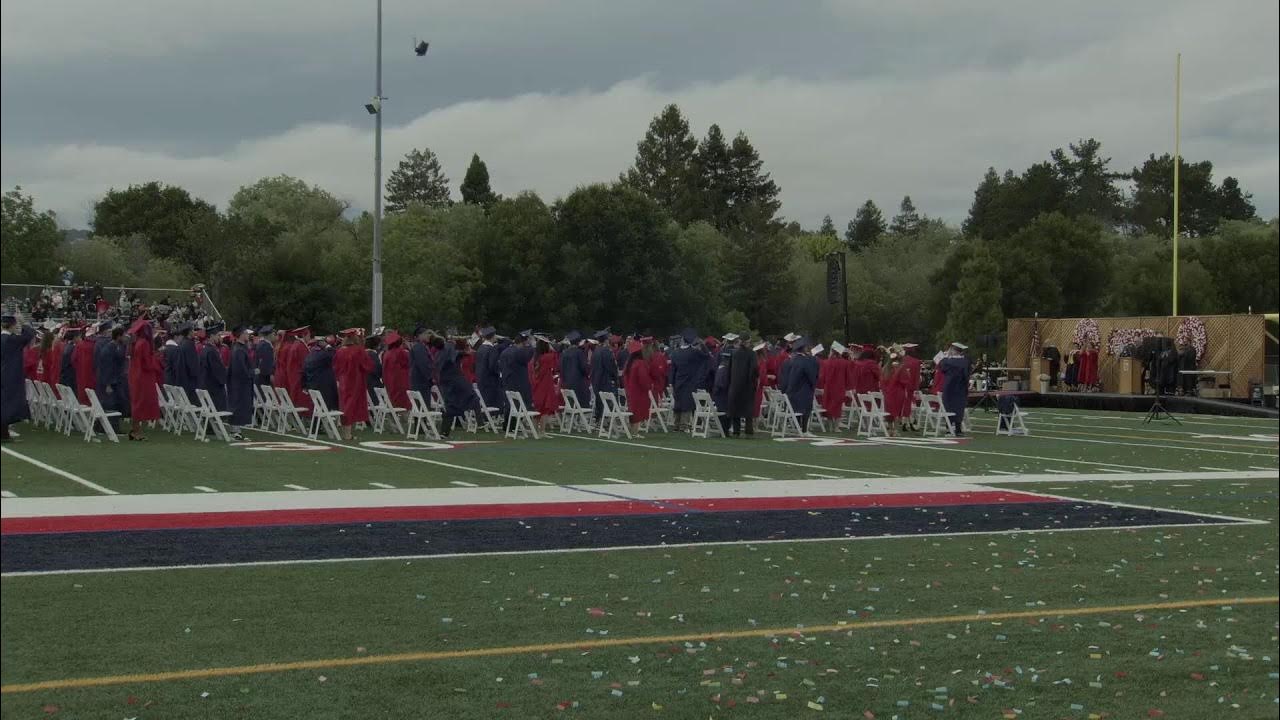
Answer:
(837, 348)
(817, 349)
(420, 47)
(959, 346)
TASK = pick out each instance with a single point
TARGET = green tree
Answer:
(828, 227)
(98, 261)
(974, 312)
(1151, 210)
(517, 257)
(702, 269)
(907, 221)
(865, 228)
(984, 221)
(428, 277)
(1243, 261)
(713, 171)
(1233, 202)
(475, 185)
(164, 214)
(753, 195)
(1076, 266)
(1090, 185)
(817, 246)
(664, 167)
(305, 211)
(417, 179)
(29, 240)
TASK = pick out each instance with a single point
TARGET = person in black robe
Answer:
(573, 368)
(684, 375)
(373, 380)
(459, 396)
(111, 374)
(67, 373)
(514, 364)
(1187, 361)
(240, 381)
(264, 356)
(213, 374)
(13, 388)
(955, 370)
(488, 374)
(186, 362)
(720, 381)
(744, 375)
(1054, 356)
(604, 371)
(317, 373)
(421, 366)
(798, 379)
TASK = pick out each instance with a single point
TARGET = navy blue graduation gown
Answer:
(112, 377)
(489, 376)
(514, 364)
(686, 373)
(213, 376)
(13, 388)
(170, 354)
(573, 373)
(458, 394)
(68, 374)
(801, 381)
(317, 374)
(604, 371)
(240, 379)
(374, 378)
(421, 370)
(264, 360)
(955, 385)
(720, 386)
(186, 367)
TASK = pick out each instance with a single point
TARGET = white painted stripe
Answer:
(204, 489)
(1006, 472)
(1047, 433)
(1259, 467)
(616, 480)
(756, 477)
(6, 493)
(820, 475)
(1061, 472)
(943, 472)
(1215, 469)
(1109, 470)
(461, 483)
(414, 458)
(723, 455)
(296, 487)
(951, 448)
(384, 486)
(63, 473)
(686, 479)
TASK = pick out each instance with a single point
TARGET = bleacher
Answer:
(51, 305)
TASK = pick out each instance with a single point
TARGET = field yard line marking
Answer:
(617, 548)
(1215, 469)
(1006, 472)
(947, 448)
(1231, 518)
(296, 487)
(63, 473)
(616, 480)
(1259, 467)
(686, 479)
(462, 483)
(942, 472)
(410, 457)
(6, 493)
(1057, 435)
(723, 455)
(1122, 472)
(203, 488)
(825, 477)
(599, 644)
(1192, 433)
(384, 486)
(756, 477)
(1070, 472)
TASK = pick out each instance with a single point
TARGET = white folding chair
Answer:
(437, 399)
(210, 417)
(49, 406)
(917, 409)
(520, 419)
(34, 401)
(614, 421)
(261, 410)
(188, 413)
(572, 414)
(422, 418)
(97, 416)
(489, 414)
(786, 417)
(383, 410)
(663, 414)
(937, 421)
(816, 415)
(75, 415)
(705, 418)
(1012, 423)
(871, 415)
(849, 412)
(166, 409)
(289, 415)
(322, 418)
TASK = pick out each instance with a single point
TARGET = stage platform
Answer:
(1137, 403)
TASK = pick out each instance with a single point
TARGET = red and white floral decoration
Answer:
(1121, 338)
(1087, 333)
(1191, 332)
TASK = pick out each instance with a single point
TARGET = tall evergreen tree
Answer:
(1151, 210)
(1090, 186)
(475, 184)
(982, 220)
(1234, 203)
(975, 308)
(828, 227)
(865, 228)
(713, 171)
(753, 195)
(418, 179)
(907, 221)
(664, 164)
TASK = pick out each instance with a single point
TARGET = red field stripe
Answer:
(337, 516)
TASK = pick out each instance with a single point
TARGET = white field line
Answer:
(1039, 422)
(1216, 469)
(411, 458)
(1217, 421)
(1064, 472)
(723, 455)
(1006, 472)
(204, 488)
(462, 483)
(686, 479)
(616, 480)
(56, 471)
(384, 486)
(1113, 476)
(6, 493)
(1122, 472)
(756, 477)
(942, 472)
(296, 487)
(1259, 467)
(821, 475)
(1228, 518)
(949, 448)
(1183, 448)
(625, 548)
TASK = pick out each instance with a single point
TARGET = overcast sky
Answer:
(845, 99)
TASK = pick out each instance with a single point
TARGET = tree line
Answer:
(690, 234)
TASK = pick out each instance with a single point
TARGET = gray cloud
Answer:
(845, 99)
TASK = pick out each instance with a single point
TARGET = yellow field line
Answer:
(329, 663)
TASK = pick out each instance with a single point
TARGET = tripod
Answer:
(1158, 411)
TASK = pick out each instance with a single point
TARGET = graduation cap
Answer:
(524, 334)
(799, 344)
(239, 330)
(330, 340)
(391, 338)
(601, 335)
(688, 335)
(959, 346)
(104, 326)
(184, 328)
(760, 346)
(573, 337)
(817, 349)
(837, 348)
(420, 48)
(908, 346)
(8, 319)
(791, 337)
(355, 331)
(215, 327)
(266, 329)
(138, 326)
(730, 337)
(419, 329)
(488, 331)
(542, 338)
(868, 348)
(634, 346)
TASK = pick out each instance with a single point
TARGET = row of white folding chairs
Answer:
(61, 411)
(178, 413)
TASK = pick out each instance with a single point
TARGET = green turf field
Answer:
(1026, 625)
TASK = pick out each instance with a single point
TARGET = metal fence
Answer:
(69, 303)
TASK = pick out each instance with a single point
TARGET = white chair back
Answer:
(97, 416)
(520, 419)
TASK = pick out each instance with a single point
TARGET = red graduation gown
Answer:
(912, 366)
(638, 381)
(866, 376)
(658, 366)
(31, 362)
(86, 375)
(774, 365)
(833, 379)
(351, 366)
(467, 364)
(546, 390)
(395, 375)
(1089, 367)
(291, 359)
(896, 387)
(145, 373)
(762, 366)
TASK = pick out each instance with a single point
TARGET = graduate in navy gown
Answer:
(13, 389)
(955, 370)
(213, 374)
(800, 375)
(459, 396)
(264, 356)
(573, 368)
(421, 367)
(373, 380)
(685, 372)
(720, 383)
(67, 376)
(186, 363)
(514, 365)
(604, 370)
(317, 373)
(111, 373)
(488, 375)
(240, 380)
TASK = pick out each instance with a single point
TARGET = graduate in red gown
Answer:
(659, 366)
(638, 381)
(224, 349)
(145, 373)
(546, 386)
(467, 360)
(51, 359)
(775, 361)
(935, 387)
(395, 370)
(86, 376)
(292, 354)
(762, 363)
(833, 378)
(31, 360)
(1089, 367)
(895, 383)
(912, 364)
(351, 366)
(866, 374)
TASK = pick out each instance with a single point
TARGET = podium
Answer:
(1130, 376)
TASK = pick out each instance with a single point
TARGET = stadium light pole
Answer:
(1177, 164)
(376, 109)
